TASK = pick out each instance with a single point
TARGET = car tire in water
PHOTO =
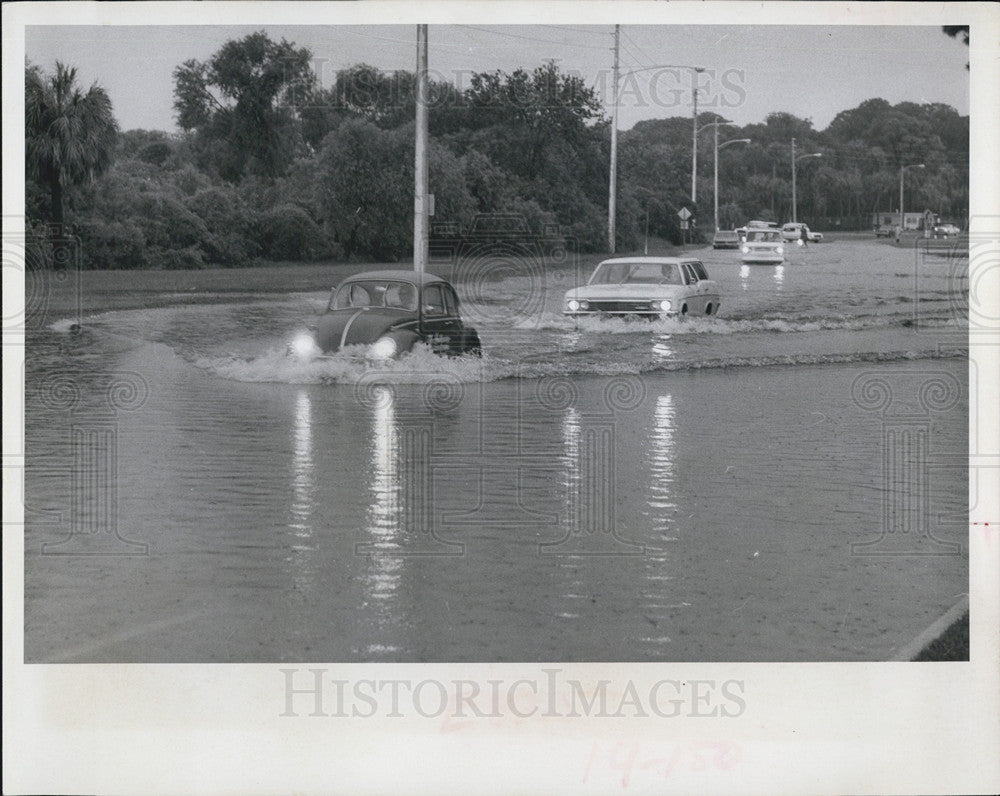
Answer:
(684, 309)
(708, 309)
(471, 344)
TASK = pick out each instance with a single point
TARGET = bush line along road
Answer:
(287, 170)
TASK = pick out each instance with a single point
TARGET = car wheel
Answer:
(684, 309)
(708, 309)
(471, 344)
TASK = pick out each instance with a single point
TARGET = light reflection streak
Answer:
(383, 573)
(662, 460)
(662, 348)
(779, 275)
(745, 276)
(657, 603)
(571, 466)
(303, 485)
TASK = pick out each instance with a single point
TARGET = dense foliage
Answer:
(270, 165)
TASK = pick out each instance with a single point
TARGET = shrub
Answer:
(177, 259)
(288, 233)
(231, 236)
(110, 244)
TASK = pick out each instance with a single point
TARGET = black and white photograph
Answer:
(581, 397)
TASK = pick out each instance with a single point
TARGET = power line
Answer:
(592, 30)
(533, 38)
(635, 44)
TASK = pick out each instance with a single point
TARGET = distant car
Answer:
(792, 232)
(763, 246)
(647, 287)
(389, 312)
(946, 230)
(726, 239)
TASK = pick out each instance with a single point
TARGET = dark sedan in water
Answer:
(390, 312)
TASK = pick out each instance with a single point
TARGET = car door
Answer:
(440, 324)
(707, 288)
(695, 298)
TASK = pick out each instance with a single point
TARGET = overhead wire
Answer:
(532, 38)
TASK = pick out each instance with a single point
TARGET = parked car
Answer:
(726, 239)
(763, 246)
(946, 231)
(647, 287)
(389, 312)
(793, 231)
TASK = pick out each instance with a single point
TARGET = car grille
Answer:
(620, 306)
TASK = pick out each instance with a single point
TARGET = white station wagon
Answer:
(647, 287)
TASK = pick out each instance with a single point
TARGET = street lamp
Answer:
(718, 146)
(694, 137)
(794, 161)
(902, 218)
(613, 181)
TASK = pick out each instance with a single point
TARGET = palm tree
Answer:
(70, 137)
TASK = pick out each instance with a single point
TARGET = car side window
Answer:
(699, 271)
(689, 275)
(433, 300)
(359, 297)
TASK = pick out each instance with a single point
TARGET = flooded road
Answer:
(786, 481)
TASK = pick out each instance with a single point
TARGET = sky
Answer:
(813, 72)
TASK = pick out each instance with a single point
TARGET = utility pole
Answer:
(794, 219)
(694, 140)
(420, 202)
(613, 187)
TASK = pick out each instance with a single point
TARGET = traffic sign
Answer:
(684, 213)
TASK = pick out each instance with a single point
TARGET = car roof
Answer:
(652, 260)
(413, 277)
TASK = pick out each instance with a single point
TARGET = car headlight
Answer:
(383, 348)
(780, 250)
(304, 347)
(746, 250)
(663, 305)
(572, 305)
(584, 305)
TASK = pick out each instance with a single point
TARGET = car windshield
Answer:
(725, 235)
(375, 293)
(763, 235)
(637, 274)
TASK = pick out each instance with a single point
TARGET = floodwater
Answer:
(787, 481)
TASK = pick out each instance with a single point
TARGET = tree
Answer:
(70, 136)
(365, 176)
(243, 104)
(960, 32)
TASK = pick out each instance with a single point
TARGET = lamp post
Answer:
(794, 161)
(694, 136)
(717, 148)
(613, 179)
(902, 169)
